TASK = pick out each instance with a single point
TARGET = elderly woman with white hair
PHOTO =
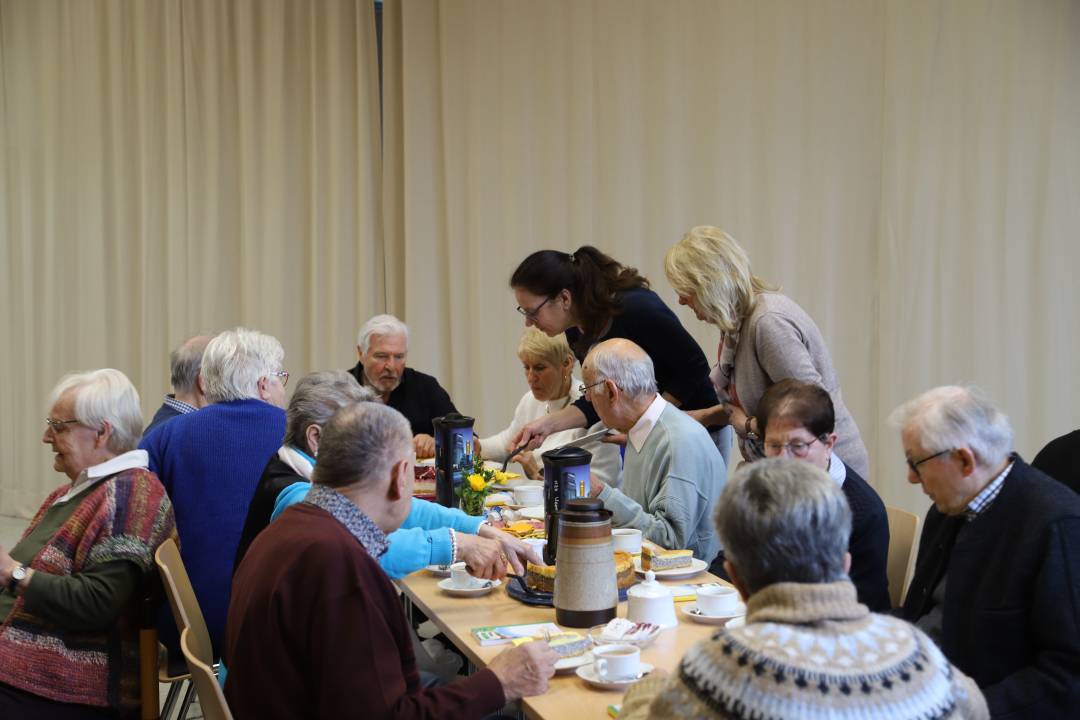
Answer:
(765, 338)
(68, 639)
(808, 648)
(549, 371)
(210, 462)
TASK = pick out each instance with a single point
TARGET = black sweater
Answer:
(419, 397)
(1011, 615)
(869, 543)
(680, 366)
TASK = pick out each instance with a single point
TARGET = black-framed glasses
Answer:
(913, 465)
(531, 314)
(583, 388)
(798, 448)
(284, 375)
(58, 425)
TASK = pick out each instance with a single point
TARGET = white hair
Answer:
(235, 361)
(954, 416)
(380, 325)
(360, 444)
(104, 396)
(633, 373)
(318, 396)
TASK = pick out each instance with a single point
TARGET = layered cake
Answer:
(542, 577)
(656, 558)
(569, 644)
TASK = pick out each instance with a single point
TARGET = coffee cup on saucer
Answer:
(460, 577)
(718, 601)
(614, 663)
(626, 540)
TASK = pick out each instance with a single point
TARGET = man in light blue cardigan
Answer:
(672, 472)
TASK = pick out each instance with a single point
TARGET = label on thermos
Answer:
(453, 456)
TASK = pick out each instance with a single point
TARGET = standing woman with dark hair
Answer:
(591, 297)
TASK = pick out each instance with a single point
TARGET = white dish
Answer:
(442, 571)
(483, 587)
(535, 512)
(696, 566)
(736, 622)
(588, 674)
(642, 640)
(565, 665)
(691, 611)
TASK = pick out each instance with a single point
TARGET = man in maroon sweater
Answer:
(315, 629)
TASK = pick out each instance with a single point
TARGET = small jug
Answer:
(651, 602)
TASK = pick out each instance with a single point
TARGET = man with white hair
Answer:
(997, 583)
(382, 346)
(187, 395)
(672, 472)
(210, 461)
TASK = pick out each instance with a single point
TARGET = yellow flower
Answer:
(500, 476)
(476, 482)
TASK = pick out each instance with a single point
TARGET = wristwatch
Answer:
(748, 432)
(17, 576)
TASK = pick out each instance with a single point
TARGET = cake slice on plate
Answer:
(654, 557)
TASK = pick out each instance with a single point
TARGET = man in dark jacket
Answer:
(382, 346)
(997, 582)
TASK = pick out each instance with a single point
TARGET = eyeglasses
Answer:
(284, 375)
(914, 464)
(58, 425)
(531, 314)
(797, 448)
(583, 388)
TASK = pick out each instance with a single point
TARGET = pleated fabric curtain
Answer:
(176, 167)
(907, 171)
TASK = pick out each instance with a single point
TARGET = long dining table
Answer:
(568, 696)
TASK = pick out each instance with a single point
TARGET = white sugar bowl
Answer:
(651, 602)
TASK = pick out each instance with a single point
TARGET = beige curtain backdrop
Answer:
(909, 171)
(172, 167)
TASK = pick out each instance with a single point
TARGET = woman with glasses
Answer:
(549, 372)
(591, 297)
(766, 337)
(798, 421)
(68, 635)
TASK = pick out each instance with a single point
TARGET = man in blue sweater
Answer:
(210, 462)
(997, 582)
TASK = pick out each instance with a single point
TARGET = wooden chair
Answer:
(903, 537)
(199, 658)
(153, 665)
(185, 607)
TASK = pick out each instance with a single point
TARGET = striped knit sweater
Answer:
(123, 517)
(810, 651)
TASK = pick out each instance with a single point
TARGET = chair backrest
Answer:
(211, 698)
(903, 534)
(185, 608)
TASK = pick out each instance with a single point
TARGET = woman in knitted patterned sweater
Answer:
(808, 648)
(68, 642)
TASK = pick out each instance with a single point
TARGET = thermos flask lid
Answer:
(567, 456)
(453, 420)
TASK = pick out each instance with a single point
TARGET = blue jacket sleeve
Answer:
(290, 496)
(424, 538)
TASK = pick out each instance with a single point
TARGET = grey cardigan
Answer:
(779, 340)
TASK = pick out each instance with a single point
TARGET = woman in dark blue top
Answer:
(591, 297)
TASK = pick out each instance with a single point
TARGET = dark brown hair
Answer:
(807, 403)
(593, 279)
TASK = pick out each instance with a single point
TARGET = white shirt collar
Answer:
(837, 470)
(640, 432)
(132, 459)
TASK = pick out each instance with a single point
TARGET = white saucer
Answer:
(533, 512)
(696, 566)
(439, 570)
(483, 588)
(692, 612)
(565, 665)
(588, 674)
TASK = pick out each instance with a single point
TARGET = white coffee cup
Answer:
(529, 495)
(617, 662)
(719, 600)
(626, 540)
(460, 577)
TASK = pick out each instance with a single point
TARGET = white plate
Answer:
(737, 622)
(588, 674)
(565, 665)
(442, 571)
(691, 611)
(483, 588)
(696, 566)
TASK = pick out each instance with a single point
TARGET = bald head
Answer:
(624, 363)
(185, 362)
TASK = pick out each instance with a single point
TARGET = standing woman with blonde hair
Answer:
(765, 337)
